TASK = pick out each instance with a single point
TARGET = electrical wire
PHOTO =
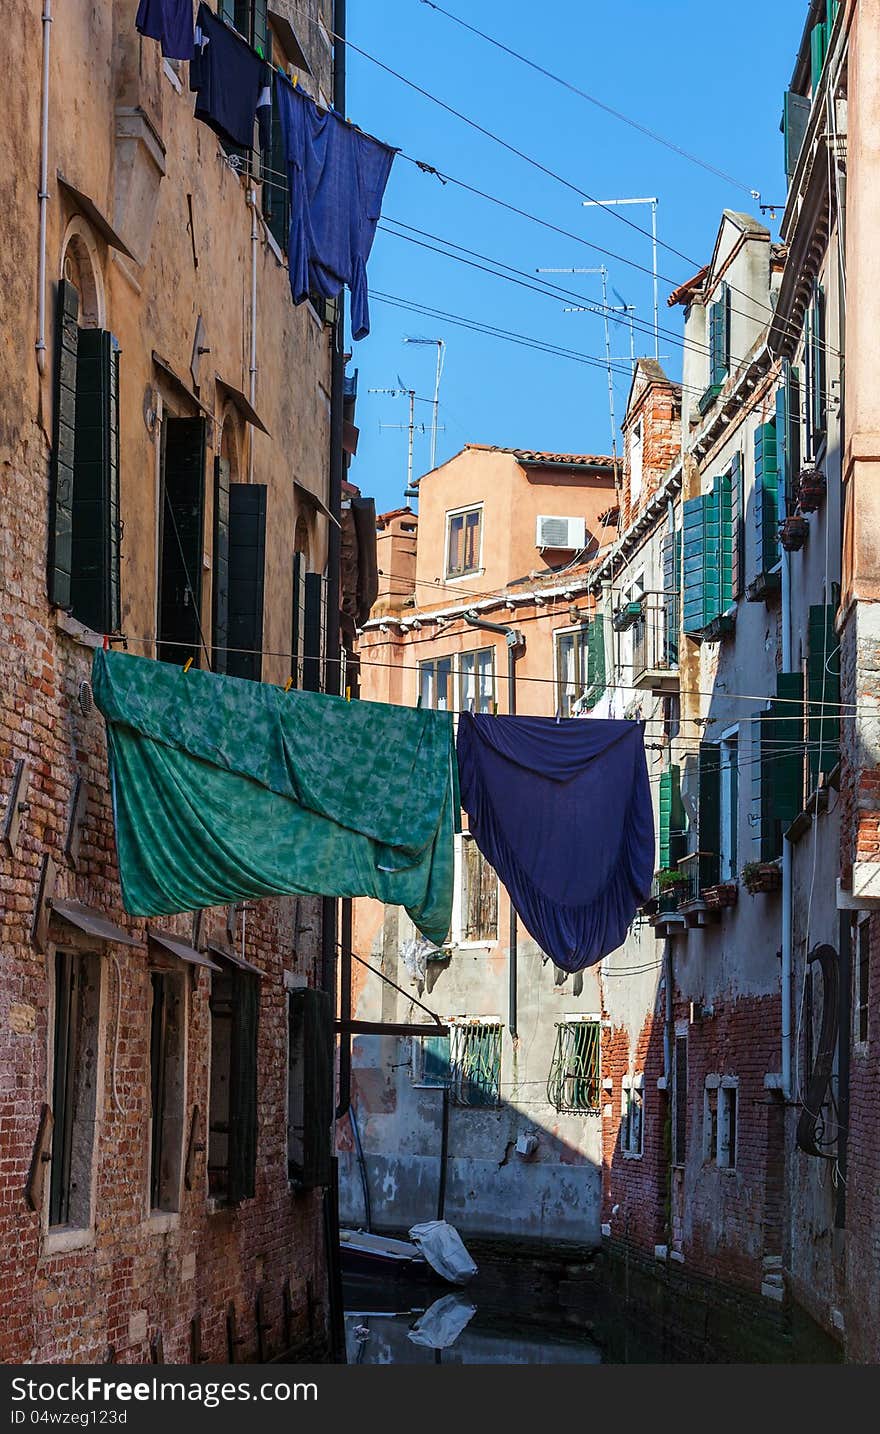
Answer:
(600, 104)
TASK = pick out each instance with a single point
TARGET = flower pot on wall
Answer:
(811, 489)
(762, 876)
(793, 533)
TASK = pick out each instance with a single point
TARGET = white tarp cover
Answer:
(444, 1250)
(441, 1324)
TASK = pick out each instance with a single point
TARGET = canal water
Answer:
(601, 1310)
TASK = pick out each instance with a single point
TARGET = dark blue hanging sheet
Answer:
(562, 811)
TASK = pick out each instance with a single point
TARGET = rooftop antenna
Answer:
(599, 269)
(441, 356)
(410, 426)
(607, 204)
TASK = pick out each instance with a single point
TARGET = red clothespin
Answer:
(106, 643)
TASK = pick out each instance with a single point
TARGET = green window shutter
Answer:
(817, 370)
(595, 685)
(788, 433)
(795, 118)
(315, 632)
(713, 558)
(63, 446)
(737, 508)
(311, 1020)
(435, 1060)
(228, 11)
(260, 29)
(671, 557)
(818, 50)
(823, 687)
(780, 765)
(94, 589)
(276, 195)
(719, 337)
(766, 497)
(298, 619)
(243, 1088)
(709, 812)
(672, 833)
(247, 564)
(723, 517)
(665, 817)
(180, 565)
(694, 601)
(220, 584)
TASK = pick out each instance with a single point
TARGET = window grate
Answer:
(475, 1063)
(574, 1083)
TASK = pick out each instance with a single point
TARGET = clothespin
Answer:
(106, 642)
(470, 704)
(294, 81)
(558, 715)
(288, 684)
(494, 707)
(348, 694)
(188, 664)
(419, 701)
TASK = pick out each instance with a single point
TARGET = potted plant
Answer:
(671, 886)
(811, 488)
(793, 532)
(758, 876)
(625, 615)
(723, 893)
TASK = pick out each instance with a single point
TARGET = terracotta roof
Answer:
(685, 292)
(383, 518)
(532, 455)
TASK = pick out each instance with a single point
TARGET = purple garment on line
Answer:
(171, 23)
(562, 811)
(337, 177)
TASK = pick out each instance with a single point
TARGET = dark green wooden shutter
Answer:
(260, 29)
(671, 556)
(795, 118)
(312, 1030)
(230, 11)
(672, 832)
(63, 447)
(817, 372)
(709, 812)
(220, 578)
(818, 51)
(719, 337)
(94, 589)
(180, 569)
(243, 1087)
(737, 507)
(823, 688)
(595, 661)
(694, 599)
(780, 765)
(788, 432)
(315, 632)
(247, 564)
(766, 497)
(298, 619)
(276, 195)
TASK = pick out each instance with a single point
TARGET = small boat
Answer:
(367, 1254)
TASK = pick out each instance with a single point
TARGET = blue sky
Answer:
(705, 77)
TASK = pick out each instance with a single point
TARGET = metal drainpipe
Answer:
(255, 240)
(43, 192)
(516, 646)
(787, 869)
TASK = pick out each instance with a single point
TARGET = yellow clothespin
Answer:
(288, 684)
(188, 664)
(348, 694)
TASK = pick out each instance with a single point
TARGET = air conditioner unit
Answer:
(569, 534)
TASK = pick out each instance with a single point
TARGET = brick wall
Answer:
(862, 1182)
(637, 1185)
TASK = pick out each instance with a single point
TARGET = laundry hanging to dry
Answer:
(562, 811)
(226, 790)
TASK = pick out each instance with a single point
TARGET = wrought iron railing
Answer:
(702, 869)
(574, 1083)
(475, 1062)
(655, 638)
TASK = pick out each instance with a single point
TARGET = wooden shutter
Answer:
(823, 688)
(220, 583)
(719, 337)
(671, 556)
(180, 567)
(680, 1100)
(737, 508)
(276, 194)
(312, 1029)
(595, 684)
(94, 587)
(298, 619)
(766, 498)
(247, 565)
(243, 1087)
(672, 818)
(818, 50)
(314, 632)
(259, 36)
(780, 766)
(709, 813)
(817, 370)
(665, 815)
(795, 118)
(693, 564)
(788, 432)
(61, 490)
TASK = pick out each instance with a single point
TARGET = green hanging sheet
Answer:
(225, 789)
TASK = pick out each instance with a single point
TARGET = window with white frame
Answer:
(475, 1060)
(435, 684)
(430, 1062)
(729, 794)
(574, 1083)
(720, 1108)
(477, 680)
(861, 981)
(464, 541)
(478, 898)
(580, 666)
(631, 1115)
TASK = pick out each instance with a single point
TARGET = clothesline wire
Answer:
(796, 702)
(560, 179)
(600, 104)
(555, 291)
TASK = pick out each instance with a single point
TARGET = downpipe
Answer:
(787, 864)
(252, 372)
(43, 192)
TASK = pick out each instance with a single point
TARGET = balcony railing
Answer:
(655, 638)
(701, 869)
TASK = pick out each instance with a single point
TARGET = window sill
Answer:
(477, 945)
(162, 1222)
(461, 577)
(632, 1155)
(172, 76)
(216, 1206)
(62, 1238)
(72, 627)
